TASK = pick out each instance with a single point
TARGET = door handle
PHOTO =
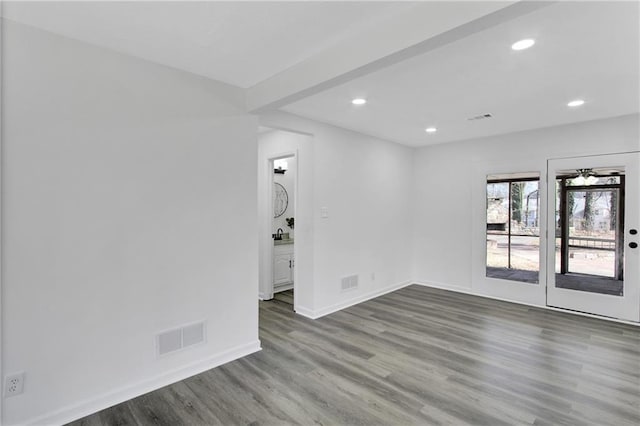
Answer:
(633, 245)
(289, 263)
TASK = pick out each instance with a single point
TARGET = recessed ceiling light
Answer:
(430, 130)
(523, 44)
(575, 103)
(359, 101)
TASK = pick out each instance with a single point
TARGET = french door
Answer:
(593, 259)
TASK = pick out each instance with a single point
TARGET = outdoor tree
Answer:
(613, 206)
(517, 191)
(613, 210)
(571, 205)
(588, 210)
(590, 202)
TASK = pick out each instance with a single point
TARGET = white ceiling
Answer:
(240, 43)
(586, 50)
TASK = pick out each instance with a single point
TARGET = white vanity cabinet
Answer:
(283, 264)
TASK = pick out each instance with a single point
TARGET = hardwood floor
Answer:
(415, 356)
(285, 297)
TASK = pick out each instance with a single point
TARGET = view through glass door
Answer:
(594, 251)
(513, 228)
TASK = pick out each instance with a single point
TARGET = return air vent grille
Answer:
(480, 117)
(180, 338)
(349, 282)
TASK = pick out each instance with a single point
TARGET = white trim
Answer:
(1, 202)
(350, 302)
(305, 312)
(626, 306)
(109, 399)
(266, 253)
(480, 282)
(469, 291)
(300, 147)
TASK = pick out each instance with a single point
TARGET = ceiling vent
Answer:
(480, 117)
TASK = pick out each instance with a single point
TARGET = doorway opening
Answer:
(283, 196)
(590, 230)
(285, 210)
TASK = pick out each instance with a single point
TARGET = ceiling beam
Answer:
(413, 31)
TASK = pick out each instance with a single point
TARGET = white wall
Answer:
(450, 179)
(366, 185)
(114, 188)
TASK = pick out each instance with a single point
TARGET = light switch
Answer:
(324, 212)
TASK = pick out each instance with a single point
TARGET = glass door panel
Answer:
(592, 247)
(595, 262)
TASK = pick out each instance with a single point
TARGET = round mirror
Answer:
(280, 200)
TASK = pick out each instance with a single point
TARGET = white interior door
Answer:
(593, 259)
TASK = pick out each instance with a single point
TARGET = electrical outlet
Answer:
(14, 384)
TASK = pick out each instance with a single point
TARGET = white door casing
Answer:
(627, 306)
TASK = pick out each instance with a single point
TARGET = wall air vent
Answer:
(180, 338)
(348, 283)
(480, 117)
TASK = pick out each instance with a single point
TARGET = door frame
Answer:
(1, 209)
(517, 291)
(266, 249)
(627, 306)
(283, 142)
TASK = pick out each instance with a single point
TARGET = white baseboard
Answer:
(465, 290)
(109, 399)
(305, 312)
(264, 296)
(350, 302)
(457, 289)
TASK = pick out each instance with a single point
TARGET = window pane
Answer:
(497, 218)
(593, 180)
(513, 240)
